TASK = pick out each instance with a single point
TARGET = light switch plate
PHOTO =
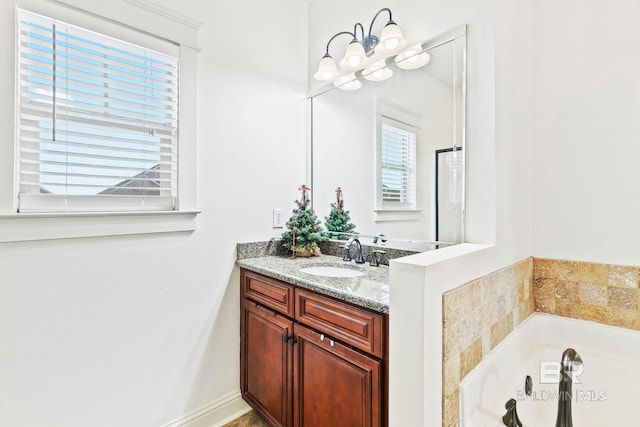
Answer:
(278, 218)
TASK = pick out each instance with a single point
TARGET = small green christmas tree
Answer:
(339, 219)
(304, 227)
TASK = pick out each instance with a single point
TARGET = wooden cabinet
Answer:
(308, 360)
(265, 371)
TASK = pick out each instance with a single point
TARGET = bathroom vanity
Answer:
(314, 349)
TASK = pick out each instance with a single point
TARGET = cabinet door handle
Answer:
(291, 340)
(331, 343)
(321, 337)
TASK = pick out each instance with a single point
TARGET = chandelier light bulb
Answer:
(355, 57)
(392, 43)
(412, 58)
(391, 40)
(377, 72)
(327, 69)
(410, 53)
(347, 82)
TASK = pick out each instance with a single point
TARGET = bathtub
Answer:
(604, 393)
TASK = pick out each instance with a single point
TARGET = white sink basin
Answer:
(332, 271)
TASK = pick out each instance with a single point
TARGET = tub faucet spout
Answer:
(571, 363)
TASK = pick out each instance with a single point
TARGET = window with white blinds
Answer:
(98, 121)
(397, 166)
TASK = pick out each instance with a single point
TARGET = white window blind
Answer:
(98, 121)
(398, 166)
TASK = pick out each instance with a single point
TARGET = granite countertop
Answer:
(370, 290)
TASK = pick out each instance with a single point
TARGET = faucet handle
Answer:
(382, 238)
(375, 260)
(511, 419)
(347, 254)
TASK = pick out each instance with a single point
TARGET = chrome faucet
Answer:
(571, 362)
(347, 250)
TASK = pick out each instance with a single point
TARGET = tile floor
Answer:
(250, 419)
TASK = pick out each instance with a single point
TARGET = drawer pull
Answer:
(322, 337)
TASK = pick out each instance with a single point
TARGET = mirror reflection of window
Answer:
(397, 130)
(398, 165)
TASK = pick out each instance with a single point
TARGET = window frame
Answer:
(163, 23)
(32, 197)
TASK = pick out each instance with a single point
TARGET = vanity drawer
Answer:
(268, 292)
(352, 325)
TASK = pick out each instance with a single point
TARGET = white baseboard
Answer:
(215, 414)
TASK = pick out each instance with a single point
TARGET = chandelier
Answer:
(357, 59)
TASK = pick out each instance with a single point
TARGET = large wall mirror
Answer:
(396, 148)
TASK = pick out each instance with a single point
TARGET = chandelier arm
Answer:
(355, 30)
(376, 16)
(336, 35)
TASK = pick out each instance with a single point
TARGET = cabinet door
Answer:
(265, 362)
(334, 385)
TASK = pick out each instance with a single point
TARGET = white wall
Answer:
(586, 133)
(144, 330)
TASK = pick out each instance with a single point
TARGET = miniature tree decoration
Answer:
(339, 219)
(304, 228)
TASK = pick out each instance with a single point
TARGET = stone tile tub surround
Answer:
(603, 293)
(476, 317)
